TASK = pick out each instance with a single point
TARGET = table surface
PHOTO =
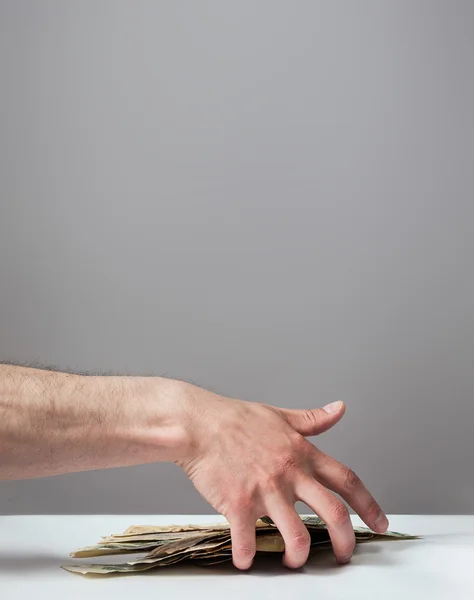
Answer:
(439, 566)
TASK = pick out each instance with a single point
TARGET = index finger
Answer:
(342, 480)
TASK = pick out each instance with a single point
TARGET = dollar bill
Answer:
(204, 545)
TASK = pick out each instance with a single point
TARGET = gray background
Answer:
(271, 199)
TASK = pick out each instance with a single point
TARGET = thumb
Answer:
(314, 421)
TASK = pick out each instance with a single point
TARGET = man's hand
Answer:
(249, 460)
(246, 459)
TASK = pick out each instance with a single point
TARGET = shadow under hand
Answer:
(320, 563)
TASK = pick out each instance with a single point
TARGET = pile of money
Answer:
(200, 544)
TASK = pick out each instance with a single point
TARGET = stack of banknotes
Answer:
(204, 545)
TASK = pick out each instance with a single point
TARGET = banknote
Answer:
(204, 545)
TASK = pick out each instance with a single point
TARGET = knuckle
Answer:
(373, 509)
(300, 444)
(270, 482)
(338, 513)
(351, 480)
(287, 463)
(241, 504)
(300, 542)
(284, 468)
(308, 416)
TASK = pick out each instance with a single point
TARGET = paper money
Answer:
(204, 545)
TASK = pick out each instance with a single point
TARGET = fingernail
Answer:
(333, 407)
(381, 522)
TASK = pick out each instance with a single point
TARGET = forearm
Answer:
(53, 423)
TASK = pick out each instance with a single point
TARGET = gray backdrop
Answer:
(271, 199)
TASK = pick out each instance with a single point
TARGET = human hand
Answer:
(249, 460)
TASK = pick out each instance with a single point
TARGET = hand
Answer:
(249, 460)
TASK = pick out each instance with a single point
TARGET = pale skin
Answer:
(246, 459)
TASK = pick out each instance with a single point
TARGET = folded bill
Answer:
(204, 545)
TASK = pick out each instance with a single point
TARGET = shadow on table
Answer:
(20, 563)
(321, 563)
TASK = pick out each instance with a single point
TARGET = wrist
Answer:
(126, 421)
(158, 418)
(199, 413)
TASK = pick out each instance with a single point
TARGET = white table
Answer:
(440, 566)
